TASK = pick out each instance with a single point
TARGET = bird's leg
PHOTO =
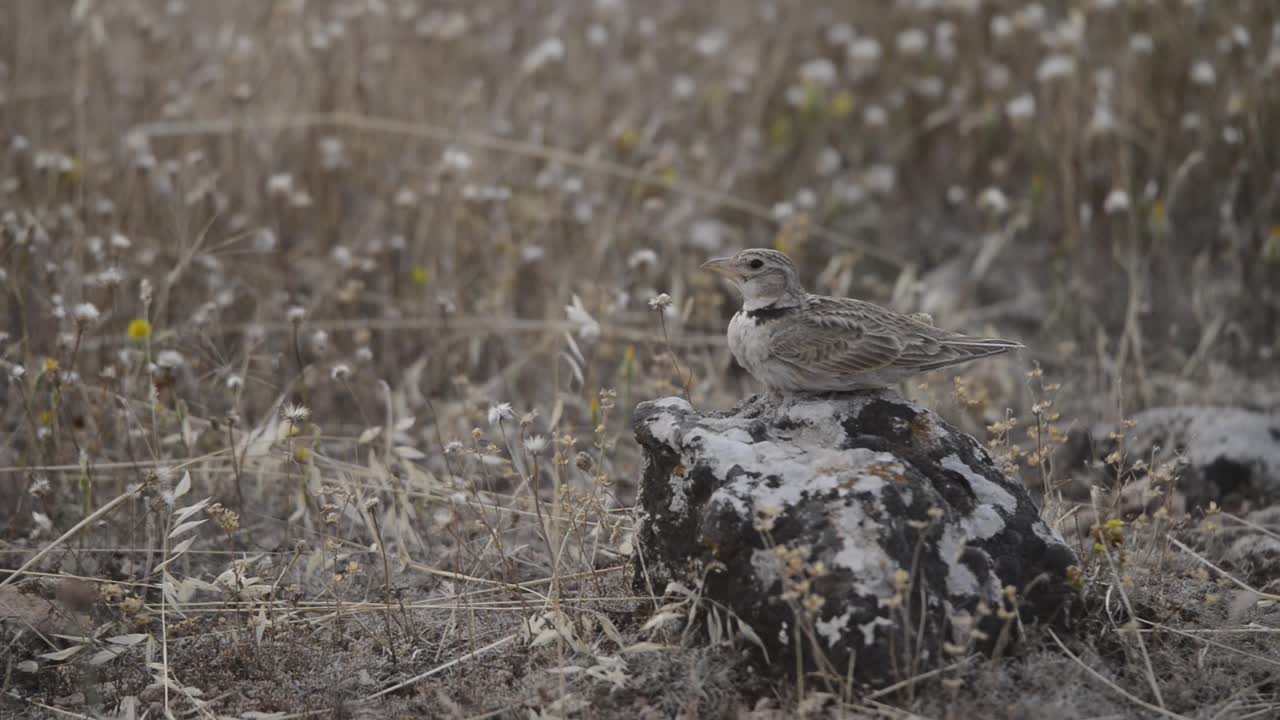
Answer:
(773, 399)
(749, 408)
(759, 404)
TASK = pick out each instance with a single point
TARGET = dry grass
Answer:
(301, 271)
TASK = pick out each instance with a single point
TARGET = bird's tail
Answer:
(963, 348)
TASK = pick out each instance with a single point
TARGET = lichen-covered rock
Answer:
(1255, 555)
(856, 527)
(1225, 455)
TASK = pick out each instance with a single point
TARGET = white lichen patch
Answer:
(872, 484)
(819, 422)
(665, 429)
(833, 630)
(869, 629)
(801, 469)
(987, 492)
(983, 523)
(862, 554)
(670, 403)
(766, 567)
(679, 495)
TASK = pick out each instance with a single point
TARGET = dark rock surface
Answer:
(858, 527)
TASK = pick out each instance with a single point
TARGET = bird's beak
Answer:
(720, 266)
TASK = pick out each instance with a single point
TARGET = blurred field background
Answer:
(371, 280)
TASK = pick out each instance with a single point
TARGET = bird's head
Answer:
(764, 277)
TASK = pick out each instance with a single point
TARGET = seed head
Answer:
(296, 413)
(1117, 202)
(85, 314)
(500, 412)
(170, 359)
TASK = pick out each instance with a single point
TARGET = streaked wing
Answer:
(839, 336)
(830, 338)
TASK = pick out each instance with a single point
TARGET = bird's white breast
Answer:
(749, 343)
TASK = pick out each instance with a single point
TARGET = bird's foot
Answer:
(758, 405)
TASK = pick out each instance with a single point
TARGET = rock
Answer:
(1229, 456)
(31, 605)
(1255, 554)
(859, 525)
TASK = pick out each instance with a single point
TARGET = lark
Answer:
(795, 342)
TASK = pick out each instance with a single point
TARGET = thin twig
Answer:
(441, 668)
(89, 520)
(1240, 583)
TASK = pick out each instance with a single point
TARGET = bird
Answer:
(793, 341)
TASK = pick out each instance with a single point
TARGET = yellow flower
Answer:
(666, 176)
(139, 329)
(628, 140)
(1271, 251)
(420, 275)
(629, 363)
(781, 132)
(842, 105)
(50, 365)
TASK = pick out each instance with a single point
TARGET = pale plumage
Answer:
(793, 341)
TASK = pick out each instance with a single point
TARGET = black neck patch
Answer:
(770, 312)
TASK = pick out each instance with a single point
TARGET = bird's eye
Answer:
(756, 264)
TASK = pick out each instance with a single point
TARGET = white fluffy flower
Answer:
(456, 159)
(86, 313)
(549, 51)
(1203, 74)
(993, 201)
(1117, 201)
(1055, 67)
(911, 41)
(280, 184)
(710, 43)
(820, 72)
(500, 412)
(1021, 108)
(588, 328)
(170, 359)
(864, 51)
(644, 257)
(295, 413)
(535, 444)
